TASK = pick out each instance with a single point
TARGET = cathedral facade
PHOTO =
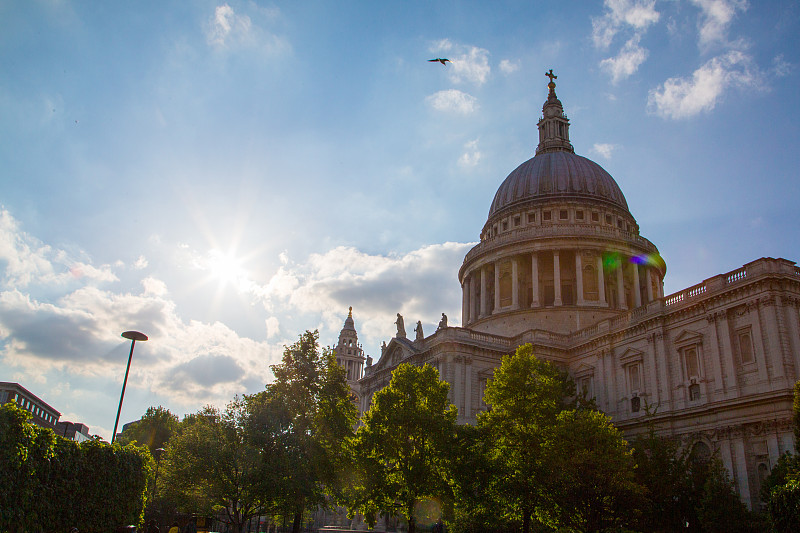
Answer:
(561, 265)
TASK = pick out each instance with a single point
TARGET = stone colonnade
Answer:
(585, 278)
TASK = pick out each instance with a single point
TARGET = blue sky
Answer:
(224, 175)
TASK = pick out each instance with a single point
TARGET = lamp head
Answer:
(135, 336)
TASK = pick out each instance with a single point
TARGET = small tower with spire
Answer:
(349, 354)
(554, 124)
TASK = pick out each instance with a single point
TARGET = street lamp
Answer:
(158, 452)
(133, 336)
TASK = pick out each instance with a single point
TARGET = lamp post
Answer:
(158, 452)
(133, 336)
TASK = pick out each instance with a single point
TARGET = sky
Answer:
(224, 175)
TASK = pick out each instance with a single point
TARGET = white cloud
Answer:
(636, 14)
(28, 260)
(227, 28)
(471, 156)
(679, 98)
(140, 263)
(717, 16)
(416, 284)
(626, 62)
(780, 67)
(467, 63)
(225, 25)
(604, 149)
(453, 101)
(507, 67)
(273, 326)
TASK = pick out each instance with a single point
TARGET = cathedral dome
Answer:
(557, 175)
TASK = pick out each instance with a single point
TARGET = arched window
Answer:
(700, 453)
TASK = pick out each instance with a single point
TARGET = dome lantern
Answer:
(554, 124)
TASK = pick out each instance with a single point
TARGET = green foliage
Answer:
(526, 396)
(781, 489)
(784, 507)
(153, 430)
(210, 465)
(302, 424)
(719, 508)
(664, 469)
(404, 444)
(591, 486)
(686, 492)
(46, 480)
(796, 416)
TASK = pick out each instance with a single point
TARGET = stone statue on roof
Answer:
(401, 326)
(418, 331)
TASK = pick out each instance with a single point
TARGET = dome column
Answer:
(534, 280)
(579, 278)
(622, 304)
(483, 292)
(556, 279)
(496, 287)
(514, 284)
(648, 278)
(472, 301)
(465, 301)
(601, 281)
(637, 291)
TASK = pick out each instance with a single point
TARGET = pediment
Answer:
(583, 371)
(687, 336)
(631, 355)
(396, 351)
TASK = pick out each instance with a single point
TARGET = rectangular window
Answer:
(595, 217)
(745, 347)
(634, 379)
(692, 364)
(546, 215)
(608, 220)
(563, 214)
(531, 218)
(579, 215)
(516, 220)
(505, 225)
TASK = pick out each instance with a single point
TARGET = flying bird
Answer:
(441, 60)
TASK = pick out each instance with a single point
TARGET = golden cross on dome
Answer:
(551, 75)
(350, 314)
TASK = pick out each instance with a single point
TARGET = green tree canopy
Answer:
(302, 424)
(526, 395)
(591, 485)
(403, 445)
(210, 465)
(153, 430)
(47, 481)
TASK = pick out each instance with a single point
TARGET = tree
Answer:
(46, 479)
(664, 469)
(403, 444)
(525, 397)
(302, 424)
(210, 465)
(781, 489)
(153, 430)
(591, 486)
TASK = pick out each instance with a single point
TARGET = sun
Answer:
(225, 268)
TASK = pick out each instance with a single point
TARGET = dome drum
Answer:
(559, 244)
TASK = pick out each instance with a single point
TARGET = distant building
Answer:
(350, 355)
(561, 265)
(73, 431)
(43, 414)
